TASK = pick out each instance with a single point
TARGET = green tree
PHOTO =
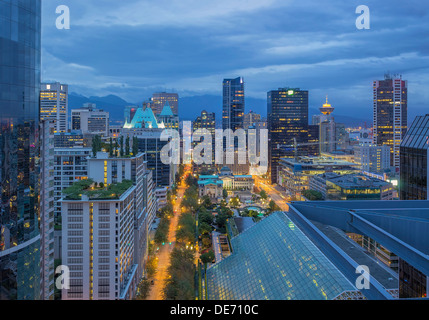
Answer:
(263, 195)
(272, 206)
(111, 147)
(121, 145)
(127, 146)
(312, 195)
(225, 194)
(207, 257)
(205, 228)
(235, 202)
(143, 290)
(180, 284)
(135, 146)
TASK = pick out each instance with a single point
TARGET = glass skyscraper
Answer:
(390, 114)
(20, 33)
(287, 111)
(233, 104)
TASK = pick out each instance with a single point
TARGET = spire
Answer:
(327, 109)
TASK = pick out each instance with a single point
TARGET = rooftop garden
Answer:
(96, 191)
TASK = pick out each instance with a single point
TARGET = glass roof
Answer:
(274, 260)
(418, 134)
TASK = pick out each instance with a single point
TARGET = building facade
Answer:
(47, 209)
(287, 120)
(390, 114)
(233, 104)
(105, 229)
(20, 34)
(161, 98)
(91, 120)
(413, 185)
(54, 105)
(372, 158)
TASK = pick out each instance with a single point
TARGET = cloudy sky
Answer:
(135, 47)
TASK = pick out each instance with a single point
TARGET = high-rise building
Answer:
(233, 104)
(327, 129)
(160, 99)
(70, 165)
(105, 232)
(47, 208)
(20, 33)
(91, 120)
(150, 144)
(54, 105)
(287, 121)
(129, 113)
(414, 161)
(250, 119)
(167, 119)
(390, 114)
(413, 185)
(207, 121)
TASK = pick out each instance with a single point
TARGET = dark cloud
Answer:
(133, 48)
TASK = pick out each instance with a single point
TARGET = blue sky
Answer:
(135, 47)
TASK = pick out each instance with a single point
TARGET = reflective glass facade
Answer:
(274, 260)
(287, 111)
(20, 34)
(233, 104)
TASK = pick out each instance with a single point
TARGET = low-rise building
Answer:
(295, 173)
(334, 186)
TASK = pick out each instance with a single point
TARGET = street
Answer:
(163, 255)
(274, 194)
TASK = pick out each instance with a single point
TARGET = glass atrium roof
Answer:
(274, 260)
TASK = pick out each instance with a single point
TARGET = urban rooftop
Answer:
(96, 191)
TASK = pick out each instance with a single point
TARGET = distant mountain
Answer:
(111, 103)
(191, 107)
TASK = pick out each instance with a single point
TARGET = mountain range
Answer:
(190, 107)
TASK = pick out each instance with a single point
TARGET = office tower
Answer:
(47, 208)
(232, 119)
(150, 144)
(414, 161)
(207, 121)
(287, 123)
(372, 158)
(105, 233)
(20, 33)
(250, 119)
(129, 113)
(91, 120)
(54, 105)
(160, 99)
(414, 186)
(342, 137)
(390, 114)
(233, 104)
(313, 148)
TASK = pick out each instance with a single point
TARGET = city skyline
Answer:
(277, 199)
(342, 62)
